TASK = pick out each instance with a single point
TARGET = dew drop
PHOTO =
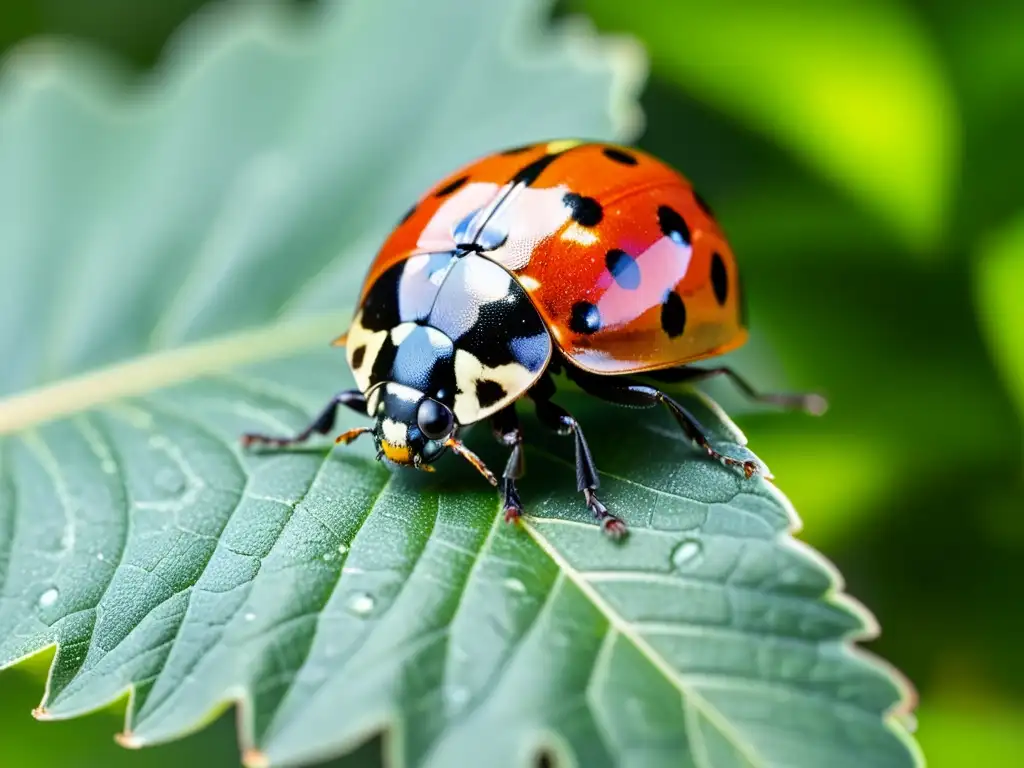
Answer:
(100, 557)
(342, 548)
(169, 480)
(360, 603)
(48, 598)
(250, 616)
(515, 585)
(456, 696)
(328, 556)
(687, 553)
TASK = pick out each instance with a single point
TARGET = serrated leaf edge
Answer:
(870, 629)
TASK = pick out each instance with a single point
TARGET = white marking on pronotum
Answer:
(372, 341)
(513, 377)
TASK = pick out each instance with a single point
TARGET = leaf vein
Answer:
(660, 663)
(307, 653)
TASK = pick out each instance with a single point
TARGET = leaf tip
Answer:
(41, 713)
(253, 758)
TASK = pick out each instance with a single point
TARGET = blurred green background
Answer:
(863, 157)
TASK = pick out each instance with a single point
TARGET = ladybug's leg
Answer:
(558, 419)
(809, 402)
(622, 391)
(506, 429)
(351, 398)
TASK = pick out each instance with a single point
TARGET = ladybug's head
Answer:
(413, 430)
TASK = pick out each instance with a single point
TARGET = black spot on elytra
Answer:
(529, 174)
(357, 356)
(623, 268)
(518, 150)
(719, 279)
(489, 392)
(673, 315)
(702, 203)
(451, 186)
(408, 215)
(380, 308)
(586, 211)
(673, 226)
(585, 318)
(623, 158)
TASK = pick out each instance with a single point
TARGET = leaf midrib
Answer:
(625, 630)
(146, 373)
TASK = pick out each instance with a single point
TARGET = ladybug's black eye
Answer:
(434, 420)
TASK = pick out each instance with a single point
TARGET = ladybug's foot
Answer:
(254, 438)
(748, 467)
(643, 396)
(698, 435)
(506, 430)
(512, 506)
(322, 424)
(610, 524)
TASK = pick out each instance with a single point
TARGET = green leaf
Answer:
(855, 89)
(176, 261)
(1000, 276)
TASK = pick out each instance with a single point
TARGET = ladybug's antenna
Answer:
(472, 458)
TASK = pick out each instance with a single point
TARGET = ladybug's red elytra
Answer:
(591, 259)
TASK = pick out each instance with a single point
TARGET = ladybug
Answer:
(591, 259)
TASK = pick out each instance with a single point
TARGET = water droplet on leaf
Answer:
(515, 585)
(456, 696)
(250, 616)
(48, 598)
(360, 603)
(687, 553)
